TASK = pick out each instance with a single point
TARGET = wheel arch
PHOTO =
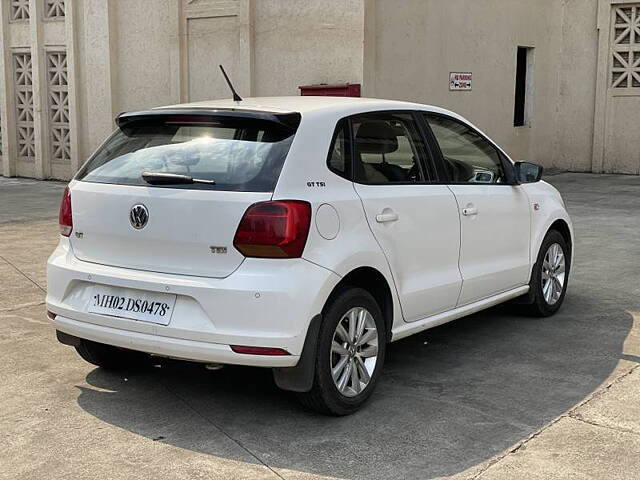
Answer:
(374, 282)
(562, 227)
(528, 301)
(300, 377)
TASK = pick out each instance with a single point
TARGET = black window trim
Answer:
(426, 161)
(344, 125)
(507, 164)
(436, 155)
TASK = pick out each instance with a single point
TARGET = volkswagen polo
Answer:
(301, 234)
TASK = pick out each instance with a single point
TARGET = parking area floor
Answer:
(492, 396)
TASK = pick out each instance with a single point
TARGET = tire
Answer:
(326, 397)
(110, 357)
(541, 303)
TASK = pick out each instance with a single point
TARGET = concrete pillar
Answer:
(73, 82)
(42, 167)
(245, 60)
(604, 19)
(178, 73)
(369, 50)
(99, 35)
(7, 105)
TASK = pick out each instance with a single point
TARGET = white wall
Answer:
(144, 34)
(302, 42)
(411, 46)
(577, 86)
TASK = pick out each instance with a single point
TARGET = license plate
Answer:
(133, 304)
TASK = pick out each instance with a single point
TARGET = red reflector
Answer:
(51, 315)
(259, 350)
(274, 229)
(65, 218)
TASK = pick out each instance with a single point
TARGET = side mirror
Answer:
(528, 172)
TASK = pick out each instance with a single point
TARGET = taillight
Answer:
(64, 218)
(274, 229)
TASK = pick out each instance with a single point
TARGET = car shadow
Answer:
(449, 399)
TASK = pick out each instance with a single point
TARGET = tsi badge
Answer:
(139, 216)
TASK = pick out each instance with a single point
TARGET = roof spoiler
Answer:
(200, 115)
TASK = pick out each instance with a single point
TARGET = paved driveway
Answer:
(489, 396)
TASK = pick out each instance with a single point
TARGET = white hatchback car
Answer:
(297, 233)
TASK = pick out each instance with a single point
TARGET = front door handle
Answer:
(386, 217)
(469, 211)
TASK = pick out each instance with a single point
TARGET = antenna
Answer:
(236, 97)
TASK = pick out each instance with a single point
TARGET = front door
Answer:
(414, 220)
(494, 216)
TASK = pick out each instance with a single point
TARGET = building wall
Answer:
(322, 44)
(577, 64)
(144, 40)
(616, 143)
(39, 105)
(117, 55)
(411, 46)
(137, 54)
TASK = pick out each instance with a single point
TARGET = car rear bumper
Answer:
(264, 303)
(169, 347)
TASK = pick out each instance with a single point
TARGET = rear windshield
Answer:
(239, 154)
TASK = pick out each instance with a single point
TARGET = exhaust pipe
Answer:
(213, 366)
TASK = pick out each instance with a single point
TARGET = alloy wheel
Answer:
(354, 351)
(553, 274)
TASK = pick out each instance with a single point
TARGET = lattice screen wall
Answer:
(38, 74)
(24, 105)
(625, 46)
(58, 95)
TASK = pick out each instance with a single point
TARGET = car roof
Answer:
(306, 104)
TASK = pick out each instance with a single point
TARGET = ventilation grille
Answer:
(23, 79)
(625, 47)
(54, 9)
(58, 94)
(19, 11)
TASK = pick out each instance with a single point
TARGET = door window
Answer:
(467, 156)
(388, 149)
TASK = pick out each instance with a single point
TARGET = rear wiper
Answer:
(163, 178)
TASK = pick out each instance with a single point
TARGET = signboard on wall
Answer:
(460, 81)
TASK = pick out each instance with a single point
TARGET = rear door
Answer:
(414, 219)
(121, 220)
(494, 215)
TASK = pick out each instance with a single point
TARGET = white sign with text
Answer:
(460, 81)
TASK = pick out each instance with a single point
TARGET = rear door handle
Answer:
(386, 217)
(469, 211)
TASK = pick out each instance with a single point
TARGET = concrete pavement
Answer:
(492, 396)
(28, 200)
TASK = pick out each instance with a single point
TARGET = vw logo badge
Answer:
(139, 216)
